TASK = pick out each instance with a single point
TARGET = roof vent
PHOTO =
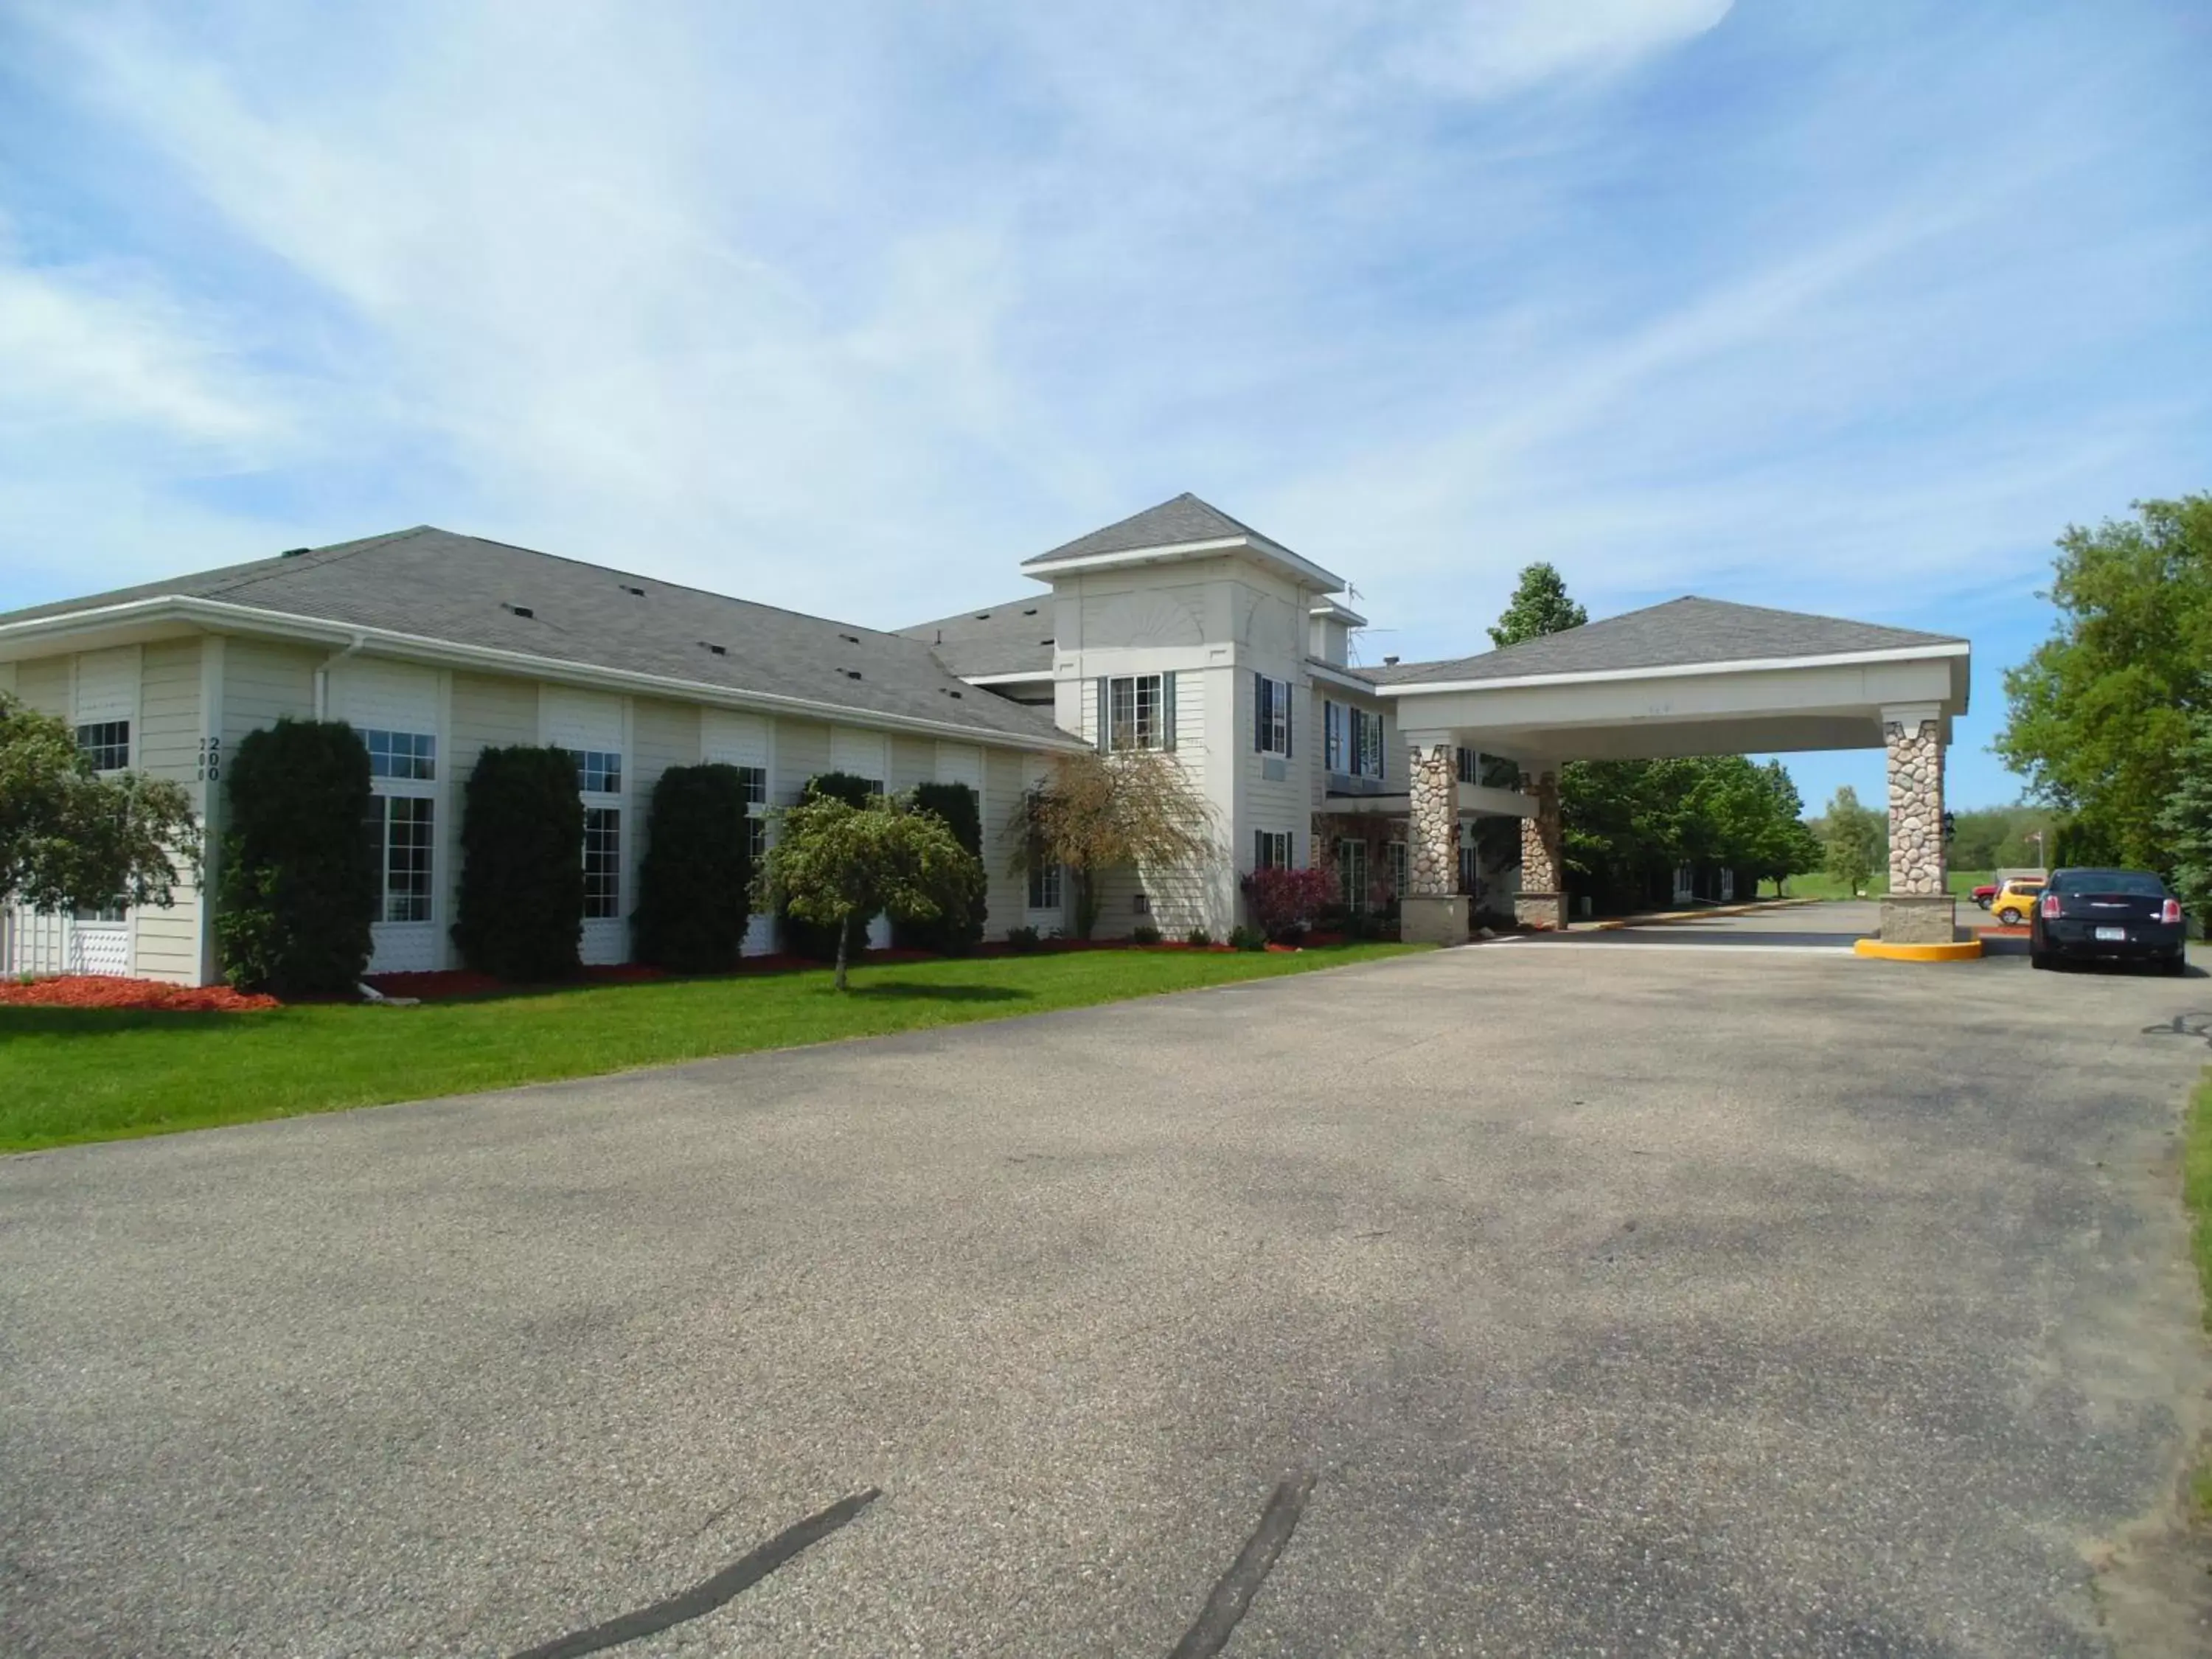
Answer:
(639, 591)
(1389, 662)
(519, 609)
(1032, 612)
(1044, 641)
(719, 650)
(295, 552)
(850, 639)
(982, 616)
(851, 673)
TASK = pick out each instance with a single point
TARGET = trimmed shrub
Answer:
(521, 913)
(1144, 933)
(951, 935)
(812, 939)
(1198, 939)
(299, 885)
(1022, 938)
(1242, 938)
(1286, 901)
(694, 886)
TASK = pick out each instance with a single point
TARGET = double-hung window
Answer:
(1271, 725)
(1352, 872)
(754, 781)
(1336, 736)
(1366, 744)
(599, 780)
(1399, 865)
(106, 743)
(1044, 887)
(1136, 712)
(1271, 850)
(401, 824)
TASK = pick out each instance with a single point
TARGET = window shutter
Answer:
(1167, 709)
(1260, 714)
(1290, 714)
(1105, 714)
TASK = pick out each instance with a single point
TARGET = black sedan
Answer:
(2119, 914)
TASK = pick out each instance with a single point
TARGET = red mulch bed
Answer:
(104, 991)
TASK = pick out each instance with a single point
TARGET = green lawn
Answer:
(70, 1074)
(1822, 885)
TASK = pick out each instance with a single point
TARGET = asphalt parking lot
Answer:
(1595, 1299)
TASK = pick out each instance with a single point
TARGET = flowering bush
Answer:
(1286, 901)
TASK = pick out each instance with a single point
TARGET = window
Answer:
(1399, 867)
(755, 782)
(1271, 725)
(1271, 850)
(1352, 872)
(98, 912)
(1134, 704)
(106, 743)
(400, 839)
(1044, 887)
(411, 755)
(1366, 744)
(1336, 736)
(602, 863)
(1470, 766)
(598, 772)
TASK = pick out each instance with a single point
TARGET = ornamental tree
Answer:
(835, 864)
(1854, 840)
(300, 884)
(70, 839)
(693, 882)
(1099, 812)
(1539, 606)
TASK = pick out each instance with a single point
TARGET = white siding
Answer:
(262, 681)
(44, 684)
(913, 761)
(861, 752)
(580, 720)
(802, 751)
(733, 739)
(384, 697)
(167, 745)
(106, 687)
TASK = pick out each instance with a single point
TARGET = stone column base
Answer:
(1547, 911)
(1438, 920)
(1919, 918)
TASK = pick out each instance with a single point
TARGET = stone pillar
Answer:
(1542, 901)
(1919, 908)
(1433, 912)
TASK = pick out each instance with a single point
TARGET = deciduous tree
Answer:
(835, 864)
(70, 839)
(1855, 837)
(2100, 715)
(1100, 812)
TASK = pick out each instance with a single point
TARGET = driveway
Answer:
(1614, 1301)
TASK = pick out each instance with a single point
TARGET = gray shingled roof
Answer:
(1014, 638)
(1185, 519)
(1681, 631)
(439, 585)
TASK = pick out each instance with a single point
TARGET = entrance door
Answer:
(1352, 873)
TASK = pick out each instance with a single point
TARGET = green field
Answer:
(1822, 885)
(73, 1074)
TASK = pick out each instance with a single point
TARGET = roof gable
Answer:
(1681, 632)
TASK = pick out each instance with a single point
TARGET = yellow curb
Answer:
(1964, 950)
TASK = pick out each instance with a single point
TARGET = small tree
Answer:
(71, 839)
(1100, 812)
(835, 864)
(811, 939)
(521, 913)
(1854, 840)
(299, 885)
(694, 881)
(959, 929)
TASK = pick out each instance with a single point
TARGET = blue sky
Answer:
(1846, 309)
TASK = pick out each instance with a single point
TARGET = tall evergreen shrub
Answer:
(693, 884)
(812, 939)
(521, 913)
(298, 883)
(949, 934)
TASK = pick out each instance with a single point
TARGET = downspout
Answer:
(323, 675)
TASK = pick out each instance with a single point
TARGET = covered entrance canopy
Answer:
(1691, 677)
